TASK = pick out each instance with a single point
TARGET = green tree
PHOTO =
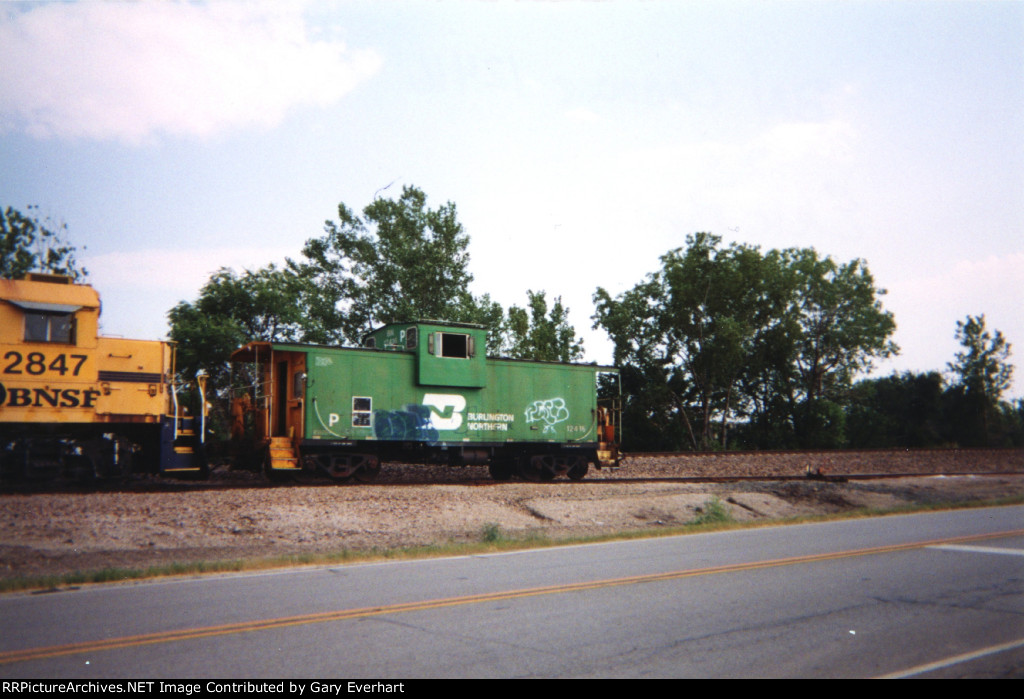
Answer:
(983, 365)
(233, 309)
(728, 335)
(1012, 415)
(654, 391)
(536, 333)
(30, 244)
(981, 374)
(399, 261)
(842, 327)
(901, 410)
(841, 330)
(693, 329)
(721, 306)
(484, 311)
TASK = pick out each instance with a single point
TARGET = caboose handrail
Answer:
(174, 402)
(269, 393)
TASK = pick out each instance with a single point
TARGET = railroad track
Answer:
(475, 477)
(638, 468)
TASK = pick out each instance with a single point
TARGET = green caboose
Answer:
(424, 393)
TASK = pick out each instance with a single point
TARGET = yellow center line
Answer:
(14, 656)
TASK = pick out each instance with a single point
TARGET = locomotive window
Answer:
(50, 327)
(370, 342)
(361, 410)
(410, 338)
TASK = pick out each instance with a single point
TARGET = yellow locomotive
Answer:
(76, 404)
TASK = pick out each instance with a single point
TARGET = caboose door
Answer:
(296, 397)
(280, 426)
(288, 381)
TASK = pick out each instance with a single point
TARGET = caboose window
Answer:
(455, 345)
(362, 407)
(50, 327)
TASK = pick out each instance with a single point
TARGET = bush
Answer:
(491, 533)
(713, 512)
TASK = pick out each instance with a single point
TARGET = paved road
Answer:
(939, 594)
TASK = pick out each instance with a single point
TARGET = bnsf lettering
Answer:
(36, 364)
(48, 397)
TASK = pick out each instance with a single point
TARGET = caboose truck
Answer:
(422, 393)
(74, 403)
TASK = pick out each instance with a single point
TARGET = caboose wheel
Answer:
(529, 469)
(539, 467)
(579, 470)
(368, 470)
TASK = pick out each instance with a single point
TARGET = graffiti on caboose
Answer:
(412, 424)
(421, 423)
(437, 413)
(550, 411)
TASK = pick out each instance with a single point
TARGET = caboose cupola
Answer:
(447, 354)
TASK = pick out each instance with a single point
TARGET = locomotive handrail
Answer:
(201, 385)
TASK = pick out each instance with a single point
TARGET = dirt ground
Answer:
(240, 517)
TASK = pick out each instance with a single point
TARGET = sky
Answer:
(579, 141)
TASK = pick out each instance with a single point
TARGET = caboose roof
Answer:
(422, 321)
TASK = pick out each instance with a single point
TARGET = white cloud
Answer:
(582, 115)
(795, 141)
(970, 282)
(928, 308)
(797, 168)
(179, 271)
(636, 203)
(125, 71)
(138, 288)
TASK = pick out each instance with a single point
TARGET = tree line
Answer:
(730, 347)
(723, 347)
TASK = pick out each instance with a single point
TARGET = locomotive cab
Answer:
(73, 402)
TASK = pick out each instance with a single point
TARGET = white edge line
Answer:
(963, 658)
(979, 549)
